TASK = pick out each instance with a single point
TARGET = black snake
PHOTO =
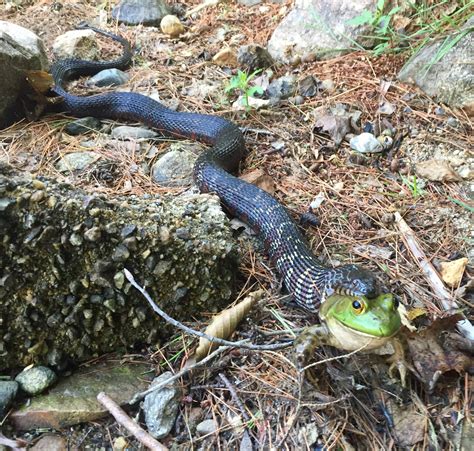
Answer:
(304, 277)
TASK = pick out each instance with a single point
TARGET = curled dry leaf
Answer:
(433, 354)
(225, 323)
(335, 126)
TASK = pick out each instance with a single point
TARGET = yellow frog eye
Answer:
(358, 307)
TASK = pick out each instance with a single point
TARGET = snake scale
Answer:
(303, 275)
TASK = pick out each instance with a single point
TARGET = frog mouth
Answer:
(352, 339)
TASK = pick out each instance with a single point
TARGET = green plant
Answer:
(381, 24)
(241, 83)
(412, 184)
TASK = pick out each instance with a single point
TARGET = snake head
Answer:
(353, 280)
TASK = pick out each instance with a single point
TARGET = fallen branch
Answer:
(178, 375)
(464, 326)
(203, 5)
(196, 333)
(123, 419)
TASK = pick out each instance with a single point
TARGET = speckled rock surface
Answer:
(63, 293)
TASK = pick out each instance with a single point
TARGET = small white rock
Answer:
(366, 143)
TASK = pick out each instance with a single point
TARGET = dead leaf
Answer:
(337, 127)
(437, 171)
(452, 272)
(40, 81)
(409, 424)
(225, 323)
(259, 178)
(430, 354)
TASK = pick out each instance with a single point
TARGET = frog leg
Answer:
(398, 362)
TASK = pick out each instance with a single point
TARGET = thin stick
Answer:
(179, 374)
(447, 301)
(196, 333)
(123, 419)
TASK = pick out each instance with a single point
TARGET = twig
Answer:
(203, 5)
(464, 326)
(122, 418)
(235, 396)
(179, 374)
(196, 333)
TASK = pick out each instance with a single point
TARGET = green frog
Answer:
(354, 323)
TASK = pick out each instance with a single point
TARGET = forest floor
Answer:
(354, 403)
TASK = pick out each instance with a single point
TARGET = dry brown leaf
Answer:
(336, 126)
(262, 180)
(225, 323)
(452, 272)
(437, 171)
(408, 424)
(431, 354)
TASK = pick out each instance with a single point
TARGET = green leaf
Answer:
(254, 89)
(362, 19)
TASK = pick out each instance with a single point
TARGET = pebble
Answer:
(8, 391)
(108, 77)
(366, 143)
(175, 168)
(127, 132)
(35, 380)
(171, 26)
(82, 126)
(76, 161)
(282, 87)
(206, 427)
(225, 57)
(161, 407)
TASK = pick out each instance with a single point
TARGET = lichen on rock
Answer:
(63, 294)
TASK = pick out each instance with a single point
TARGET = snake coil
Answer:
(304, 277)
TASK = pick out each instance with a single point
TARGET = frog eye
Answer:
(358, 307)
(395, 303)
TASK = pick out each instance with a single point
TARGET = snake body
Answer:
(303, 275)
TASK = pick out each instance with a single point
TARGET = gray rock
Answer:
(76, 161)
(282, 88)
(253, 57)
(36, 380)
(108, 77)
(127, 132)
(135, 12)
(8, 391)
(366, 143)
(449, 80)
(82, 126)
(77, 44)
(20, 50)
(161, 407)
(320, 28)
(206, 427)
(175, 168)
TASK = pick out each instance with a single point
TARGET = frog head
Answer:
(358, 322)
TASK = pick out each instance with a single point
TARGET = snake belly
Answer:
(303, 275)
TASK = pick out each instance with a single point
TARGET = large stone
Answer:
(447, 77)
(20, 51)
(135, 12)
(63, 291)
(319, 28)
(73, 399)
(76, 44)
